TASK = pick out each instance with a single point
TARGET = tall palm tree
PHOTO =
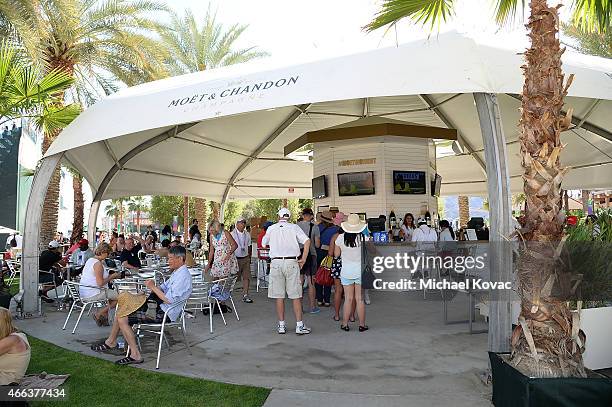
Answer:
(547, 332)
(196, 46)
(464, 210)
(116, 208)
(112, 210)
(78, 211)
(138, 204)
(87, 40)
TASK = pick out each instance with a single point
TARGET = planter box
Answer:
(511, 388)
(597, 325)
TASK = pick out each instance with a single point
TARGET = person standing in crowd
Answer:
(151, 232)
(166, 233)
(424, 233)
(284, 239)
(338, 289)
(149, 244)
(327, 230)
(96, 275)
(15, 351)
(264, 229)
(348, 248)
(194, 228)
(50, 260)
(407, 228)
(310, 267)
(221, 258)
(129, 255)
(446, 232)
(243, 256)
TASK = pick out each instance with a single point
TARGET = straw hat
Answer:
(353, 224)
(327, 216)
(129, 303)
(339, 218)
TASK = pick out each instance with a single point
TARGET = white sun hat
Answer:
(353, 224)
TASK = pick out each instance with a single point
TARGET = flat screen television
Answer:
(436, 185)
(356, 183)
(319, 187)
(409, 182)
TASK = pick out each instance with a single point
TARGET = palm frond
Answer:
(424, 12)
(592, 15)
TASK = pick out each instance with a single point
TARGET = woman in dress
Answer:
(221, 259)
(15, 351)
(407, 227)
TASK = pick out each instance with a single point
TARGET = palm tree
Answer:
(112, 210)
(464, 210)
(79, 205)
(115, 209)
(25, 92)
(591, 43)
(547, 331)
(86, 40)
(195, 47)
(138, 204)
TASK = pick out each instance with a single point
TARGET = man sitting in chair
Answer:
(132, 308)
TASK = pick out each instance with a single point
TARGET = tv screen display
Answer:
(319, 187)
(409, 182)
(356, 183)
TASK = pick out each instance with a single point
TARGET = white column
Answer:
(31, 232)
(500, 213)
(91, 225)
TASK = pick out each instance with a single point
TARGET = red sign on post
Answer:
(291, 190)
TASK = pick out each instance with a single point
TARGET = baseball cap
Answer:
(83, 242)
(54, 244)
(284, 213)
(421, 221)
(307, 211)
(241, 220)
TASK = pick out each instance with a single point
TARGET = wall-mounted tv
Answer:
(409, 182)
(319, 187)
(436, 185)
(356, 183)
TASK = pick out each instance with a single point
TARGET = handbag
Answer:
(367, 276)
(323, 276)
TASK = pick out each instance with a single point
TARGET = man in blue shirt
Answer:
(132, 308)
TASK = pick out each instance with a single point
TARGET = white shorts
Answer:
(284, 279)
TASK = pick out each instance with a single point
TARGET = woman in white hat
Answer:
(348, 247)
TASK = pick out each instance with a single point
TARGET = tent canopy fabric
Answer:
(221, 133)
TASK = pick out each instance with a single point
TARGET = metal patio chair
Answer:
(78, 303)
(14, 270)
(160, 329)
(263, 256)
(200, 300)
(221, 290)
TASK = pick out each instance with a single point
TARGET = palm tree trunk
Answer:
(200, 211)
(138, 220)
(464, 210)
(565, 201)
(542, 344)
(185, 218)
(121, 225)
(585, 201)
(216, 210)
(79, 208)
(48, 225)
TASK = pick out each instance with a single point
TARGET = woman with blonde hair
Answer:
(221, 259)
(94, 283)
(15, 351)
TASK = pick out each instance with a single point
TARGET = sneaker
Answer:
(302, 330)
(315, 310)
(245, 298)
(282, 329)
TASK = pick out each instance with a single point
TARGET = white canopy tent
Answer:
(220, 134)
(234, 122)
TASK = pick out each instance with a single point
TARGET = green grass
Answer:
(96, 382)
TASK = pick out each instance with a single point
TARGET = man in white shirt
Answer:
(424, 233)
(243, 255)
(284, 239)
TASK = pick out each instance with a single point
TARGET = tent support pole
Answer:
(500, 213)
(31, 233)
(91, 225)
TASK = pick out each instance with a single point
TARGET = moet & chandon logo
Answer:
(234, 91)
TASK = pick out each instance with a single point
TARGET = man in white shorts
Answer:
(284, 239)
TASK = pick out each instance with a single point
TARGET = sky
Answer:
(294, 31)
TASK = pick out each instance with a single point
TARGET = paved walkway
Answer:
(408, 357)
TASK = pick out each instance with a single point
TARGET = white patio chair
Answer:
(160, 328)
(225, 289)
(14, 269)
(79, 303)
(200, 300)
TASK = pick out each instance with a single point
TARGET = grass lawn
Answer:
(96, 382)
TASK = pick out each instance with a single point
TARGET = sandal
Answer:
(337, 319)
(363, 328)
(345, 328)
(352, 319)
(102, 347)
(128, 360)
(98, 320)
